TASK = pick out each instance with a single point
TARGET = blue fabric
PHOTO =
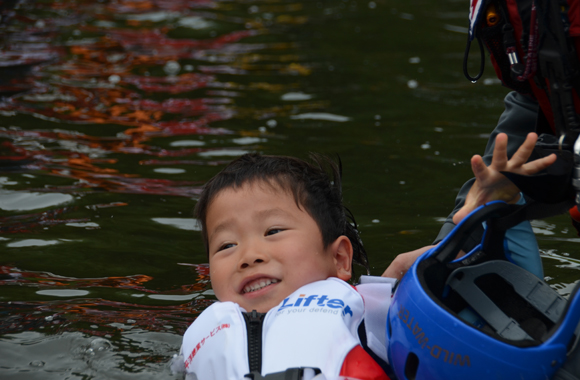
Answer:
(523, 247)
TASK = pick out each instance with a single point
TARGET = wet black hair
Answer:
(316, 186)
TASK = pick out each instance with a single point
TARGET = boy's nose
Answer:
(245, 264)
(252, 254)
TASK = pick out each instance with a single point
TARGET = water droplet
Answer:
(412, 83)
(100, 344)
(172, 68)
(131, 321)
(375, 221)
(114, 78)
(377, 117)
(188, 67)
(425, 146)
(473, 81)
(262, 129)
(271, 123)
(37, 363)
(372, 5)
(401, 182)
(48, 318)
(414, 60)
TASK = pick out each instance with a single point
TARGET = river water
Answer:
(114, 113)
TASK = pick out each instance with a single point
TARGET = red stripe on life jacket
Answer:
(358, 364)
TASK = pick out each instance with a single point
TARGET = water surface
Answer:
(114, 113)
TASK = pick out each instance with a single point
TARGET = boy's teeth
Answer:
(259, 285)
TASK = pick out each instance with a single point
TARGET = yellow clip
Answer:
(492, 17)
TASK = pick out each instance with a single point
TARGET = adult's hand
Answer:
(401, 264)
(490, 184)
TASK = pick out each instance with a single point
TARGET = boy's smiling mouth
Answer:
(258, 284)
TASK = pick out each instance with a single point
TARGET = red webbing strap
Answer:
(574, 18)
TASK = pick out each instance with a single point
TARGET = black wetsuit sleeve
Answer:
(517, 120)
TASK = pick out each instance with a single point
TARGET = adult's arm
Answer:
(518, 119)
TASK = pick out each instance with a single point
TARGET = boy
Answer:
(281, 243)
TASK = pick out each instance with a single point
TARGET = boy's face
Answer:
(262, 247)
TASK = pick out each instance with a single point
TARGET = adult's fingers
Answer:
(401, 264)
(499, 159)
(524, 151)
(538, 165)
(478, 167)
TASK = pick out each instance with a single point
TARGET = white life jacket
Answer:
(316, 326)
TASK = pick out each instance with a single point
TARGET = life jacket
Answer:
(534, 47)
(315, 327)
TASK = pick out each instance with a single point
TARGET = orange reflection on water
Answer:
(108, 316)
(12, 275)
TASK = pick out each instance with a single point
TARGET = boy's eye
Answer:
(273, 231)
(226, 246)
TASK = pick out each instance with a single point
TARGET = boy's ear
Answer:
(342, 252)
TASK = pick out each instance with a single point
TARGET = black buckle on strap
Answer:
(301, 373)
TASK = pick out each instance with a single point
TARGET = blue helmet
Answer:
(479, 317)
